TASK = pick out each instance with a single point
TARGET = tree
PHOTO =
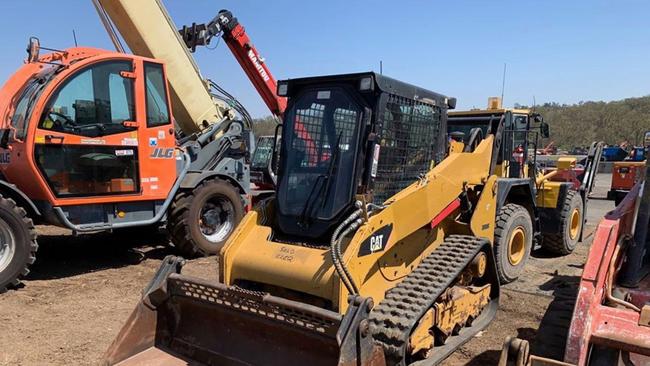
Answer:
(264, 126)
(612, 122)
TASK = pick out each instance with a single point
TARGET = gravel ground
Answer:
(81, 289)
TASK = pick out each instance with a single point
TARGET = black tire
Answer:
(551, 338)
(565, 241)
(187, 215)
(20, 249)
(513, 232)
(618, 197)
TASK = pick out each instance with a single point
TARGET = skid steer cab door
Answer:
(106, 131)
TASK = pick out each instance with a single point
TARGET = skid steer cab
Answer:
(87, 142)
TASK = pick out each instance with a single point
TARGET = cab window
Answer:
(94, 102)
(157, 108)
(20, 119)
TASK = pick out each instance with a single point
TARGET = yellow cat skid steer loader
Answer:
(375, 249)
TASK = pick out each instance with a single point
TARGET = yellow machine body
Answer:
(294, 269)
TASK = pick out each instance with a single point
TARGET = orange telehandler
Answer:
(95, 140)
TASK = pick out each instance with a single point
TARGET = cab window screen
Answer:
(321, 146)
(409, 144)
(157, 108)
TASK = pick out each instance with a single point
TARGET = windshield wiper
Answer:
(307, 208)
(332, 166)
(302, 220)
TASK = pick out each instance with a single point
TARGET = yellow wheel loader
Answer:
(536, 205)
(376, 248)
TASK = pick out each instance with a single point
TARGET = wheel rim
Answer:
(217, 219)
(7, 245)
(517, 246)
(574, 229)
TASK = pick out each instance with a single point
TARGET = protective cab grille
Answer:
(409, 139)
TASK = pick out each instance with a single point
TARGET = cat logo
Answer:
(377, 242)
(160, 153)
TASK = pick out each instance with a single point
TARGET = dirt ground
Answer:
(81, 289)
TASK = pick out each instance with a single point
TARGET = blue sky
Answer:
(563, 51)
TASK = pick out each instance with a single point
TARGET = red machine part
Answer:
(258, 73)
(254, 67)
(595, 322)
(626, 174)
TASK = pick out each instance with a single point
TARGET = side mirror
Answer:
(545, 130)
(33, 49)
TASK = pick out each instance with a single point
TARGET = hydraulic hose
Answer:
(346, 272)
(335, 250)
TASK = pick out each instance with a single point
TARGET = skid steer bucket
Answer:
(189, 321)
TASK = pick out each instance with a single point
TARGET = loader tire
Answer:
(571, 222)
(513, 240)
(201, 220)
(17, 243)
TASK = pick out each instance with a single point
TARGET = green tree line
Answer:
(572, 125)
(577, 125)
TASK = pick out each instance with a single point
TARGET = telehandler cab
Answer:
(88, 143)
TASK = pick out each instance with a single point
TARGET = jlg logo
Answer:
(160, 153)
(376, 243)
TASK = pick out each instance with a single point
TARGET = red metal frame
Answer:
(594, 322)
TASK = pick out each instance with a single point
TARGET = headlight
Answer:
(283, 89)
(366, 83)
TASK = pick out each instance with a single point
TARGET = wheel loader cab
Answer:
(520, 131)
(350, 136)
(88, 125)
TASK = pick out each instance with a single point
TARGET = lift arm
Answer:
(148, 30)
(234, 35)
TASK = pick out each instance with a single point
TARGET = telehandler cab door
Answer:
(106, 130)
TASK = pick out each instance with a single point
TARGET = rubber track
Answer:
(393, 319)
